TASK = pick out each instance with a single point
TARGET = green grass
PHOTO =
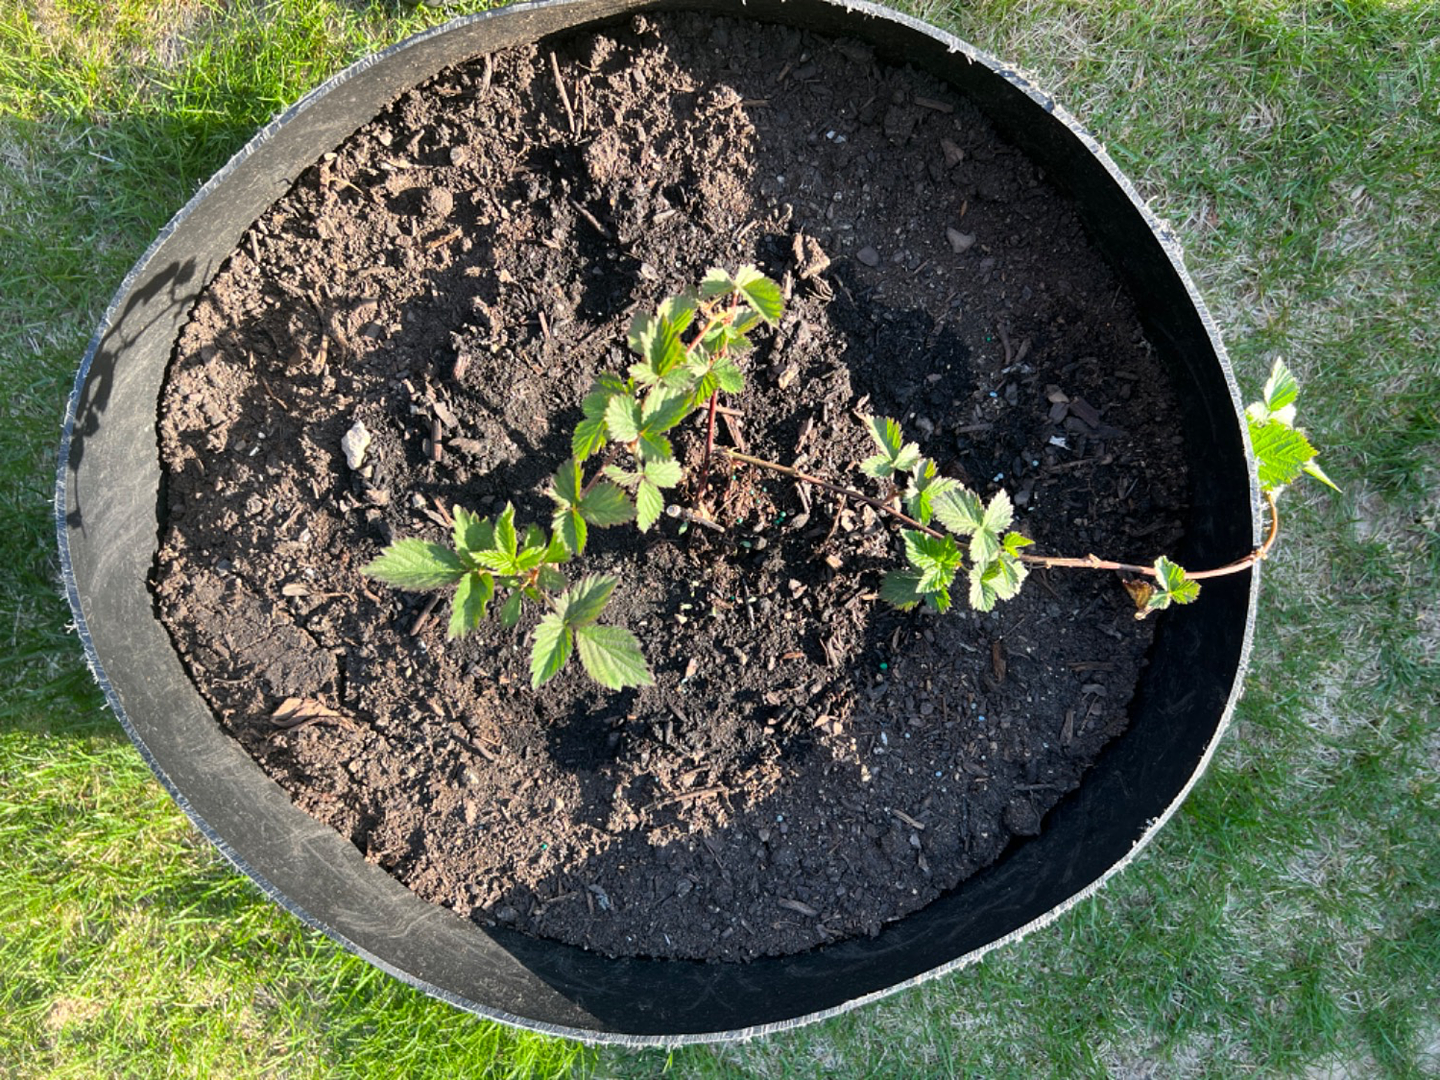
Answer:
(1286, 922)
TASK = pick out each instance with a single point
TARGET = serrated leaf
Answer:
(959, 510)
(901, 588)
(641, 332)
(938, 598)
(1006, 575)
(1280, 389)
(499, 561)
(468, 606)
(416, 565)
(472, 532)
(999, 513)
(550, 650)
(582, 604)
(622, 417)
(663, 411)
(567, 483)
(655, 447)
(716, 282)
(744, 320)
(665, 472)
(606, 505)
(612, 657)
(1014, 542)
(601, 391)
(762, 293)
(984, 546)
(878, 466)
(553, 580)
(1174, 585)
(679, 309)
(589, 437)
(557, 551)
(982, 593)
(505, 538)
(510, 612)
(571, 528)
(624, 477)
(1281, 453)
(908, 457)
(886, 433)
(649, 505)
(728, 376)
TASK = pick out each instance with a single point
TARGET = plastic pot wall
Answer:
(109, 495)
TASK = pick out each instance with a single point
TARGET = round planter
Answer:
(108, 510)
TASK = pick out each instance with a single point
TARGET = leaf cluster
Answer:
(685, 355)
(995, 571)
(1282, 451)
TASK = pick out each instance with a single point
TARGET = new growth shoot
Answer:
(687, 356)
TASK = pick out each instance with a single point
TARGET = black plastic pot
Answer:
(108, 502)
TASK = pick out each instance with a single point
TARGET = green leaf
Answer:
(679, 309)
(887, 435)
(1281, 453)
(716, 282)
(582, 604)
(1014, 542)
(649, 505)
(505, 538)
(472, 532)
(664, 472)
(571, 528)
(762, 293)
(553, 580)
(924, 488)
(878, 466)
(606, 505)
(589, 437)
(416, 565)
(999, 513)
(510, 613)
(1174, 586)
(901, 588)
(567, 484)
(959, 510)
(938, 599)
(1006, 574)
(728, 377)
(468, 607)
(655, 447)
(663, 411)
(622, 417)
(612, 657)
(982, 592)
(550, 650)
(984, 547)
(1281, 389)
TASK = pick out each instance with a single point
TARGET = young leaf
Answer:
(727, 376)
(612, 657)
(472, 532)
(895, 455)
(1281, 389)
(901, 588)
(662, 411)
(679, 309)
(1312, 469)
(1281, 453)
(553, 580)
(581, 605)
(937, 560)
(1173, 587)
(622, 417)
(468, 607)
(505, 539)
(664, 473)
(550, 650)
(982, 592)
(959, 510)
(649, 505)
(606, 505)
(924, 488)
(416, 565)
(999, 513)
(568, 483)
(1014, 542)
(589, 437)
(716, 282)
(654, 447)
(761, 293)
(510, 613)
(570, 526)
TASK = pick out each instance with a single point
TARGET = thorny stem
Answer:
(714, 401)
(1089, 562)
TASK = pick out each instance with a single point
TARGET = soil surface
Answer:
(811, 763)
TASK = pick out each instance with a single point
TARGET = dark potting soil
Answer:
(811, 763)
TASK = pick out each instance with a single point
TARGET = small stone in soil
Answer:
(869, 256)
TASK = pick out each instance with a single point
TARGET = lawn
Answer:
(1286, 923)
